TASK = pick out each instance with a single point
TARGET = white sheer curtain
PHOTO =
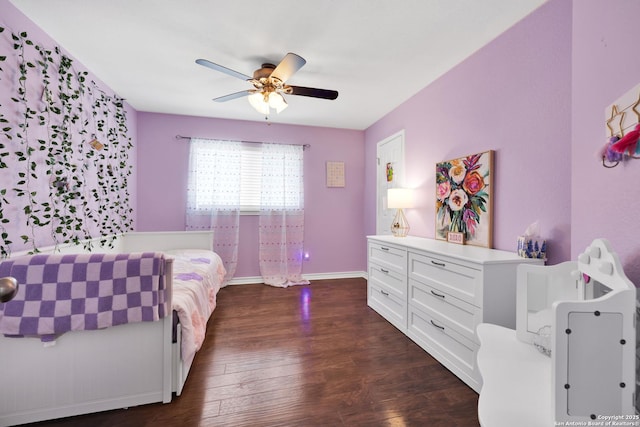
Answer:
(282, 215)
(213, 195)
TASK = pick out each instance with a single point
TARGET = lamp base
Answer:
(400, 225)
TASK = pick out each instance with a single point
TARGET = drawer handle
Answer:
(384, 271)
(386, 294)
(438, 295)
(384, 248)
(436, 325)
(439, 264)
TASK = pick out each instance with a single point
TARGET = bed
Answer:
(58, 373)
(197, 278)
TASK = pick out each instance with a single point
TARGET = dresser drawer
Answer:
(460, 315)
(389, 305)
(388, 256)
(389, 279)
(450, 348)
(463, 281)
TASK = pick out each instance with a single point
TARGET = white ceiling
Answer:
(376, 53)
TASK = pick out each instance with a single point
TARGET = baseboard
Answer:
(338, 275)
(312, 276)
(249, 280)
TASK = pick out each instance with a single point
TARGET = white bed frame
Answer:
(91, 371)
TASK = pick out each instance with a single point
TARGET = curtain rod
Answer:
(304, 146)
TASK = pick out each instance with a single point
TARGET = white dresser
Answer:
(437, 292)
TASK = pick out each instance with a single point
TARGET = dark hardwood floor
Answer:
(304, 356)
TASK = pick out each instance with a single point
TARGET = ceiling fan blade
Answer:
(222, 69)
(233, 96)
(288, 66)
(313, 92)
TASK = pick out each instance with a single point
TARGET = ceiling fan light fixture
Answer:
(263, 101)
(277, 102)
(256, 100)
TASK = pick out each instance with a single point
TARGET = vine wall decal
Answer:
(64, 151)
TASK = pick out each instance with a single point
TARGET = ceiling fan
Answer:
(269, 84)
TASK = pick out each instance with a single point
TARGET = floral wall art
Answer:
(464, 198)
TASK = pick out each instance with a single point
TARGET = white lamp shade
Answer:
(257, 101)
(399, 198)
(277, 101)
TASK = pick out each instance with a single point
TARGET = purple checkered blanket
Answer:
(61, 293)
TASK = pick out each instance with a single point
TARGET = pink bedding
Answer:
(197, 277)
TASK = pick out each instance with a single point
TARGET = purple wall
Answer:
(605, 66)
(514, 97)
(334, 234)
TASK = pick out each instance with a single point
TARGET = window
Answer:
(224, 175)
(250, 177)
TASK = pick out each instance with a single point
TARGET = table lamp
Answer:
(399, 198)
